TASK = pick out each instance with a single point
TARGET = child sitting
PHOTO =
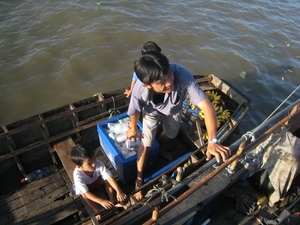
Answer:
(90, 174)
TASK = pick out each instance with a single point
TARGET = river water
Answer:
(57, 52)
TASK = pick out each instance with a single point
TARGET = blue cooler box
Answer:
(125, 167)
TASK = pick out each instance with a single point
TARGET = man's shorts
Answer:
(151, 121)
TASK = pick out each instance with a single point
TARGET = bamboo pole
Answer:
(239, 151)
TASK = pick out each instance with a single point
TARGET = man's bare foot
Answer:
(138, 184)
(138, 195)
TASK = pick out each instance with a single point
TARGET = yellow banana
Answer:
(223, 115)
(201, 114)
(204, 135)
(213, 96)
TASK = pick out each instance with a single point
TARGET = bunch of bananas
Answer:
(205, 135)
(213, 97)
(222, 115)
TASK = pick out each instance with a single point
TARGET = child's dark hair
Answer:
(150, 46)
(79, 152)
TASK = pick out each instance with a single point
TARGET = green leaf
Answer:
(270, 45)
(243, 74)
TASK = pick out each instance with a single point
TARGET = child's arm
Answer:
(105, 203)
(120, 195)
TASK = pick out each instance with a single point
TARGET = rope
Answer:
(251, 134)
(113, 111)
(164, 194)
(257, 128)
(159, 189)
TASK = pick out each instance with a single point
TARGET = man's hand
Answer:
(219, 151)
(131, 133)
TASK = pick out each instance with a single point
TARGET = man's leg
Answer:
(171, 125)
(150, 124)
(142, 157)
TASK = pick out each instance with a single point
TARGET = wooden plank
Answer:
(35, 205)
(63, 151)
(29, 195)
(54, 212)
(28, 189)
(66, 178)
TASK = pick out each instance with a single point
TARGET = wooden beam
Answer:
(59, 115)
(54, 138)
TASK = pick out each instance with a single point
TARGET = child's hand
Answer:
(121, 197)
(106, 204)
(127, 93)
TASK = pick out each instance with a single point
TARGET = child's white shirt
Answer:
(81, 179)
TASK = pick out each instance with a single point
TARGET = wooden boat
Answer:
(238, 193)
(45, 139)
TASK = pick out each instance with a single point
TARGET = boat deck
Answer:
(227, 214)
(46, 201)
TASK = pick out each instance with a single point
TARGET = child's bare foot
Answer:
(98, 217)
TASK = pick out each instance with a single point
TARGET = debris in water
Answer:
(247, 88)
(243, 74)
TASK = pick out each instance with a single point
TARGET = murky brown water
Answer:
(57, 52)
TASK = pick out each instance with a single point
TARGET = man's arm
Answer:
(210, 119)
